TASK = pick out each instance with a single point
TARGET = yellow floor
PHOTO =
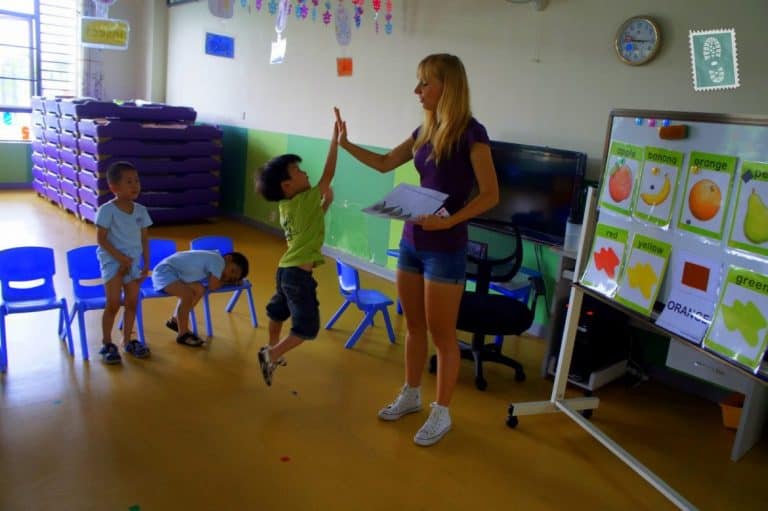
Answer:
(197, 429)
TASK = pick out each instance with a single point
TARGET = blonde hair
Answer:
(444, 126)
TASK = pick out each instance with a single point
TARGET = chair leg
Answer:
(337, 314)
(193, 321)
(359, 330)
(207, 311)
(83, 336)
(399, 307)
(390, 332)
(251, 306)
(3, 347)
(64, 318)
(140, 322)
(233, 300)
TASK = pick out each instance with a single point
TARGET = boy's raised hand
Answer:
(341, 128)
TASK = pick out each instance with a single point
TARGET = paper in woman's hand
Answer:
(407, 202)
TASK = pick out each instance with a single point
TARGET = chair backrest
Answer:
(83, 265)
(159, 249)
(223, 244)
(494, 252)
(20, 267)
(349, 280)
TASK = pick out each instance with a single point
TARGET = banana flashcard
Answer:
(658, 182)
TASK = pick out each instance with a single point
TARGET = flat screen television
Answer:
(540, 189)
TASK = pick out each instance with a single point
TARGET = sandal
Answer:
(137, 349)
(172, 324)
(110, 355)
(190, 339)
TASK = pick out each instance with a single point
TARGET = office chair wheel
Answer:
(520, 375)
(587, 414)
(512, 421)
(433, 364)
(481, 384)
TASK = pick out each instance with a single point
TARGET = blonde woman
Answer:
(451, 152)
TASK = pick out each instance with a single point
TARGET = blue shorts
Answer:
(109, 268)
(448, 267)
(296, 297)
(163, 276)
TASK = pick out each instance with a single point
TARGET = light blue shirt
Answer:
(193, 265)
(123, 231)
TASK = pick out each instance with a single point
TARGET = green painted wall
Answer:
(16, 165)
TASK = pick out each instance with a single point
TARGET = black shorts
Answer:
(296, 297)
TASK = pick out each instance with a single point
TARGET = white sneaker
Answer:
(437, 425)
(408, 401)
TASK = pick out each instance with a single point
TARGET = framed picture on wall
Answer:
(171, 3)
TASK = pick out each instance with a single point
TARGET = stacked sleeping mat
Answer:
(178, 161)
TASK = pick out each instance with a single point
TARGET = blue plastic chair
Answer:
(224, 245)
(159, 249)
(20, 270)
(368, 301)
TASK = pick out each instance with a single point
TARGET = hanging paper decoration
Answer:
(101, 8)
(376, 9)
(327, 14)
(314, 10)
(343, 30)
(257, 4)
(243, 3)
(358, 12)
(7, 118)
(301, 9)
(222, 8)
(388, 17)
(272, 7)
(278, 47)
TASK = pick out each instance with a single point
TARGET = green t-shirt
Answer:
(303, 221)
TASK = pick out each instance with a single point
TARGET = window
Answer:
(39, 55)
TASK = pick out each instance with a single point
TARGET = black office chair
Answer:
(494, 258)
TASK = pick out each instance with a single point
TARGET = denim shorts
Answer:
(448, 267)
(296, 297)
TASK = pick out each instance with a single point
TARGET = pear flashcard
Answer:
(704, 199)
(621, 170)
(739, 330)
(604, 264)
(643, 274)
(749, 229)
(657, 184)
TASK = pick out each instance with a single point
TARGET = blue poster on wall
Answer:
(219, 45)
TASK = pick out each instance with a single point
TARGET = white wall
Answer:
(541, 77)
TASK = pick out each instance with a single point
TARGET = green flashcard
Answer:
(713, 59)
(657, 185)
(643, 273)
(620, 177)
(704, 197)
(739, 330)
(604, 265)
(749, 229)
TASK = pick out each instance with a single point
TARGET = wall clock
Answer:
(638, 40)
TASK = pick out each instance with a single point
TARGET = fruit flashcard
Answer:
(704, 198)
(693, 281)
(739, 330)
(658, 182)
(643, 273)
(604, 264)
(749, 229)
(621, 170)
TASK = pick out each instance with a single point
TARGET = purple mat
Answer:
(52, 195)
(93, 197)
(126, 147)
(69, 155)
(155, 183)
(68, 187)
(52, 106)
(87, 211)
(38, 173)
(51, 151)
(38, 146)
(68, 171)
(38, 132)
(69, 203)
(92, 181)
(116, 128)
(52, 166)
(52, 136)
(51, 121)
(152, 165)
(181, 198)
(90, 109)
(191, 212)
(68, 124)
(37, 103)
(52, 180)
(37, 118)
(68, 139)
(38, 186)
(38, 159)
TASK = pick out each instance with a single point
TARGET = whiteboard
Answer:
(745, 138)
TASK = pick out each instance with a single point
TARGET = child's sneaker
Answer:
(408, 401)
(267, 368)
(437, 425)
(110, 354)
